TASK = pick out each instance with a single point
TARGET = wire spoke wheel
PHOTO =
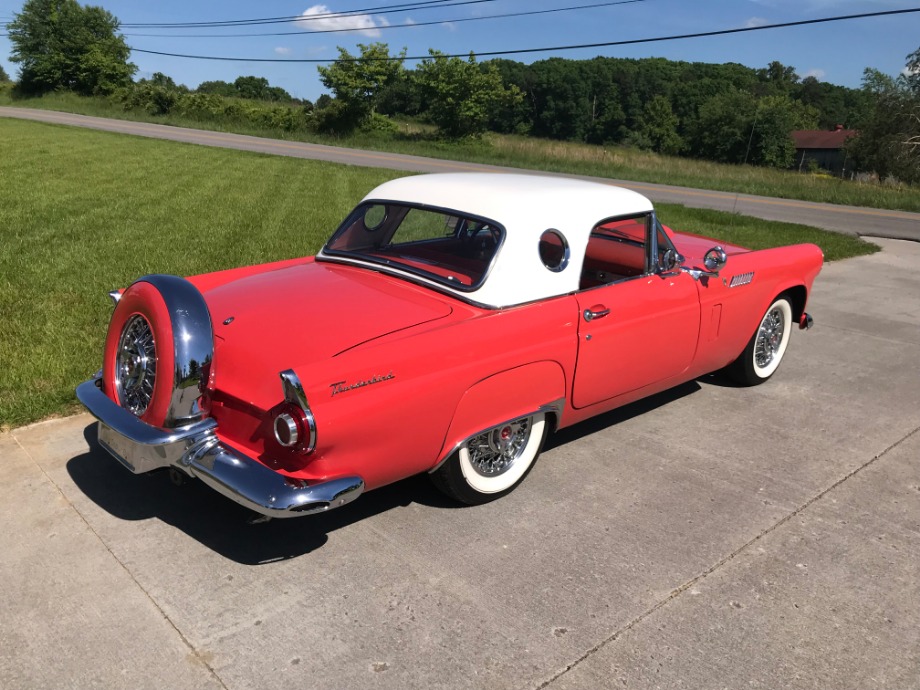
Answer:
(491, 463)
(135, 365)
(769, 337)
(495, 451)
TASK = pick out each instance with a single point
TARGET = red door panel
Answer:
(649, 333)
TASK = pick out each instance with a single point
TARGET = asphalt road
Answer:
(846, 219)
(710, 537)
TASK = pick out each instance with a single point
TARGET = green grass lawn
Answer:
(542, 154)
(83, 212)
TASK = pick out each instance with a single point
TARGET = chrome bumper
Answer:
(197, 451)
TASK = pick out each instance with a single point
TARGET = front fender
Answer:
(518, 392)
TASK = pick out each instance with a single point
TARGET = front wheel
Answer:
(491, 464)
(764, 352)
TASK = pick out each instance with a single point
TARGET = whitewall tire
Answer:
(764, 352)
(492, 463)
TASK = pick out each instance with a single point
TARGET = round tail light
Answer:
(295, 429)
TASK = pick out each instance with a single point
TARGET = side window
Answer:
(617, 250)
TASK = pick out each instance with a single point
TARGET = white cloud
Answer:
(321, 18)
(281, 50)
(815, 72)
(755, 21)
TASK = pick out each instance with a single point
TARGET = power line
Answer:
(405, 7)
(400, 26)
(606, 44)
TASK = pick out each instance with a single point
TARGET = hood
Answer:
(297, 315)
(695, 246)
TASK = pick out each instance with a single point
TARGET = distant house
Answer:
(823, 147)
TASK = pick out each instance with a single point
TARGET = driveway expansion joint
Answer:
(737, 552)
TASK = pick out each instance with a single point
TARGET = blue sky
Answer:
(836, 52)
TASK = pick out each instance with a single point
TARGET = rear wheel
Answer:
(491, 464)
(765, 350)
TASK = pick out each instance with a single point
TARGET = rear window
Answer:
(440, 245)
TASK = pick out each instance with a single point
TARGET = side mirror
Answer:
(670, 261)
(714, 260)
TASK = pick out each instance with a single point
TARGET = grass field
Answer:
(541, 154)
(83, 212)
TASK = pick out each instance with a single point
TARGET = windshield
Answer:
(439, 245)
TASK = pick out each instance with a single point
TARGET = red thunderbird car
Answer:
(449, 324)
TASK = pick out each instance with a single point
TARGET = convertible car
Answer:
(448, 325)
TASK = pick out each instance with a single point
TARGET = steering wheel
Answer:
(475, 230)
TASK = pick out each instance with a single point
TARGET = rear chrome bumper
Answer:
(197, 451)
(806, 321)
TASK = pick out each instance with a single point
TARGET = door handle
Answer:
(598, 311)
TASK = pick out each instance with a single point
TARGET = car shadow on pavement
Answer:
(219, 523)
(227, 528)
(620, 414)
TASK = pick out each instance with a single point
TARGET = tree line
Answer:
(728, 113)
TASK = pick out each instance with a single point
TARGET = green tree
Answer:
(461, 96)
(659, 127)
(736, 127)
(358, 81)
(61, 44)
(776, 118)
(3, 75)
(889, 134)
(723, 128)
(218, 87)
(777, 78)
(164, 81)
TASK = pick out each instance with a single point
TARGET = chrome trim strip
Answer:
(556, 407)
(294, 394)
(198, 451)
(193, 339)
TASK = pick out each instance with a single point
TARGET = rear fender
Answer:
(502, 397)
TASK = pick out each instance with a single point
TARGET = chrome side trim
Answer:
(294, 394)
(193, 340)
(555, 407)
(196, 450)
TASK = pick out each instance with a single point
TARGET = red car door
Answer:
(635, 331)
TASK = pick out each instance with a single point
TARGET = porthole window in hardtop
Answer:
(554, 250)
(440, 245)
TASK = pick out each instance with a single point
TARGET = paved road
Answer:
(712, 537)
(846, 219)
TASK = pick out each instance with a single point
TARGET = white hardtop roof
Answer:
(513, 199)
(526, 205)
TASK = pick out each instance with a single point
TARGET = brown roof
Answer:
(821, 139)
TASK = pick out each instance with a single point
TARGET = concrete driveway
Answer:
(711, 537)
